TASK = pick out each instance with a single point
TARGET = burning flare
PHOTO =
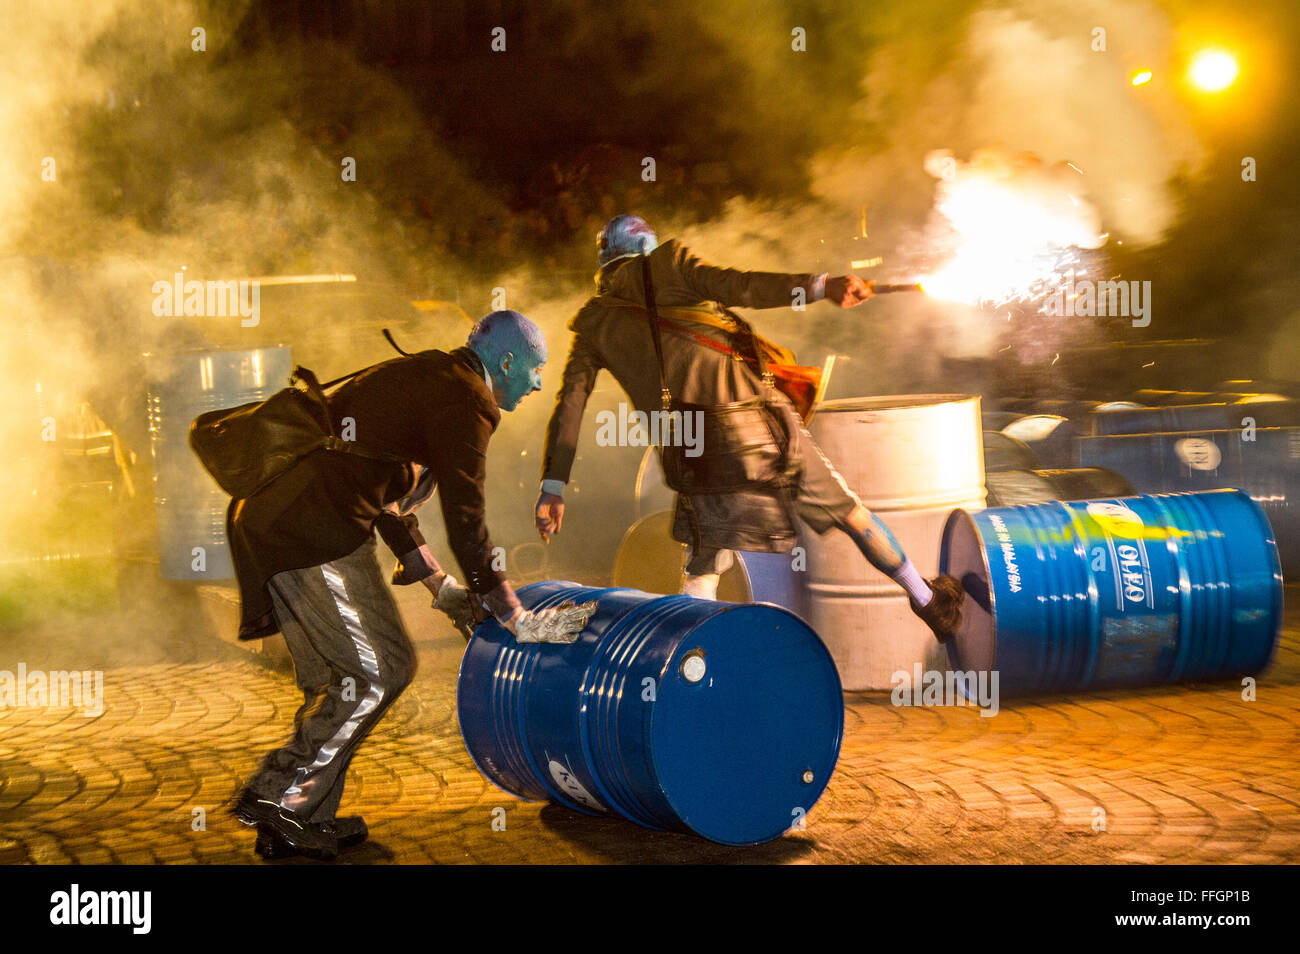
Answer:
(1009, 228)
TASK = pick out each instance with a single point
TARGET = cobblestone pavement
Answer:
(1183, 774)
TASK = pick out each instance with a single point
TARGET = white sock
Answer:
(910, 580)
(702, 587)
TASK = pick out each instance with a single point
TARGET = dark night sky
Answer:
(651, 79)
(475, 161)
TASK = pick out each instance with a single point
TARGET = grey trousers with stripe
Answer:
(352, 657)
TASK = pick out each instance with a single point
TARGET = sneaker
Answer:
(943, 613)
(274, 822)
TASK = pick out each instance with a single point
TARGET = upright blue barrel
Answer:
(771, 578)
(191, 508)
(722, 719)
(1127, 591)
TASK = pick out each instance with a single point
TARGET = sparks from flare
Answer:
(1009, 230)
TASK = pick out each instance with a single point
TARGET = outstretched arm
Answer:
(736, 288)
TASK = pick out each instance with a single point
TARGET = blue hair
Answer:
(624, 235)
(506, 332)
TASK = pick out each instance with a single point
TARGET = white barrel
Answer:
(912, 459)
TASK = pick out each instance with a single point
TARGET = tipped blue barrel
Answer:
(722, 719)
(1127, 591)
(191, 508)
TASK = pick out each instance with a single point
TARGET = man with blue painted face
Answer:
(304, 554)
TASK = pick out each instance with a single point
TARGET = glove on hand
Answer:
(455, 600)
(557, 624)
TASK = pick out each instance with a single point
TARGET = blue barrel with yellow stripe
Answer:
(1126, 591)
(721, 719)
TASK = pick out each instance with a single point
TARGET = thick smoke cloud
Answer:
(227, 162)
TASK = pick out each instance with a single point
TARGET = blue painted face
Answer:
(516, 379)
(513, 350)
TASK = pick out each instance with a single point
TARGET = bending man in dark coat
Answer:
(304, 553)
(609, 334)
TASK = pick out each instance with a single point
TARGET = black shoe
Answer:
(943, 613)
(249, 807)
(349, 830)
(271, 846)
(274, 822)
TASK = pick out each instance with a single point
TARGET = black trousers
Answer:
(352, 657)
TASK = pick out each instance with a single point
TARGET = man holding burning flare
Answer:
(696, 354)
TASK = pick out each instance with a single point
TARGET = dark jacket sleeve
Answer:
(580, 371)
(402, 535)
(460, 468)
(733, 287)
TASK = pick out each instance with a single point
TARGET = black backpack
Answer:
(245, 448)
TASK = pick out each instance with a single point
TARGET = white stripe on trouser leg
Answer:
(369, 663)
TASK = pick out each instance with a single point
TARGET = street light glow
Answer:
(1213, 70)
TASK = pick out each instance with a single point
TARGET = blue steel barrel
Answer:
(767, 578)
(1264, 462)
(1128, 591)
(1153, 397)
(1198, 417)
(721, 719)
(190, 507)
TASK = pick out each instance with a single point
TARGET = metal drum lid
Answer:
(746, 727)
(974, 644)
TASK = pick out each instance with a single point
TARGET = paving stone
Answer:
(1183, 774)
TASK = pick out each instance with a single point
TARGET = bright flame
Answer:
(1213, 70)
(1143, 77)
(1014, 232)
